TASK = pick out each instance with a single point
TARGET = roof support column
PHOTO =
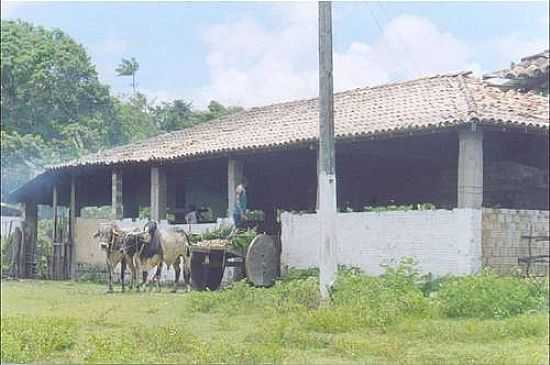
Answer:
(54, 209)
(470, 168)
(234, 178)
(28, 244)
(116, 194)
(158, 193)
(70, 250)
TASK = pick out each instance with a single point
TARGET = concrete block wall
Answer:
(502, 244)
(442, 241)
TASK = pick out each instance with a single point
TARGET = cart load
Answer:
(253, 255)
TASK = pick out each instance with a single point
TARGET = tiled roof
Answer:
(535, 66)
(428, 103)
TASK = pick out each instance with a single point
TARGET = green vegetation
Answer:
(240, 239)
(382, 320)
(54, 107)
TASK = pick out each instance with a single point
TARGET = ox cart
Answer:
(259, 262)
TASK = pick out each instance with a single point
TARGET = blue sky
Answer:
(258, 53)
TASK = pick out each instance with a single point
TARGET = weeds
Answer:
(490, 296)
(400, 317)
(26, 339)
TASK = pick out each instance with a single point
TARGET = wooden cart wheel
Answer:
(198, 275)
(262, 261)
(215, 270)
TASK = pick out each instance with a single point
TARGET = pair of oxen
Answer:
(142, 251)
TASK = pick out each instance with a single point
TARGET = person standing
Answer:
(241, 203)
(191, 217)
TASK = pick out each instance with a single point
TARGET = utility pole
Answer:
(327, 171)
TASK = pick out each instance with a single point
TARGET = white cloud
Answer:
(250, 64)
(412, 46)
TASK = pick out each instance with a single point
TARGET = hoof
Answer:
(173, 291)
(109, 291)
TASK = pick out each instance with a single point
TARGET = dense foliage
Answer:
(394, 318)
(54, 107)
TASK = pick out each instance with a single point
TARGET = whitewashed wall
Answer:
(442, 241)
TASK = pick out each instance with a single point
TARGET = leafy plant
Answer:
(394, 207)
(489, 296)
(243, 239)
(238, 239)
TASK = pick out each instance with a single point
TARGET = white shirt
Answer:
(191, 217)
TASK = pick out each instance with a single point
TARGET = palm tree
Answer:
(128, 68)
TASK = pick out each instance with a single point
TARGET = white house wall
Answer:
(442, 241)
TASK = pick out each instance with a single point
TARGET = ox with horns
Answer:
(111, 239)
(155, 246)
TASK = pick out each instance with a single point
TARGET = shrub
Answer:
(241, 297)
(489, 296)
(380, 301)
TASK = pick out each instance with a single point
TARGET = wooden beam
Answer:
(70, 249)
(54, 208)
(28, 244)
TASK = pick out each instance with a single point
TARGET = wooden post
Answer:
(470, 168)
(54, 208)
(116, 194)
(70, 250)
(158, 194)
(327, 171)
(234, 178)
(28, 242)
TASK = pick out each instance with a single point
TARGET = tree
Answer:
(47, 81)
(53, 106)
(171, 116)
(128, 68)
(135, 120)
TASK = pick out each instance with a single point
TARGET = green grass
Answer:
(371, 321)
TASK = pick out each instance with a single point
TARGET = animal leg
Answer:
(132, 268)
(109, 277)
(177, 270)
(186, 273)
(157, 276)
(122, 270)
(138, 268)
(145, 280)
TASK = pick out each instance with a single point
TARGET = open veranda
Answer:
(400, 317)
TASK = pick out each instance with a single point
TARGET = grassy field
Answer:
(69, 322)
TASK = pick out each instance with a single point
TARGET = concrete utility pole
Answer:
(327, 171)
